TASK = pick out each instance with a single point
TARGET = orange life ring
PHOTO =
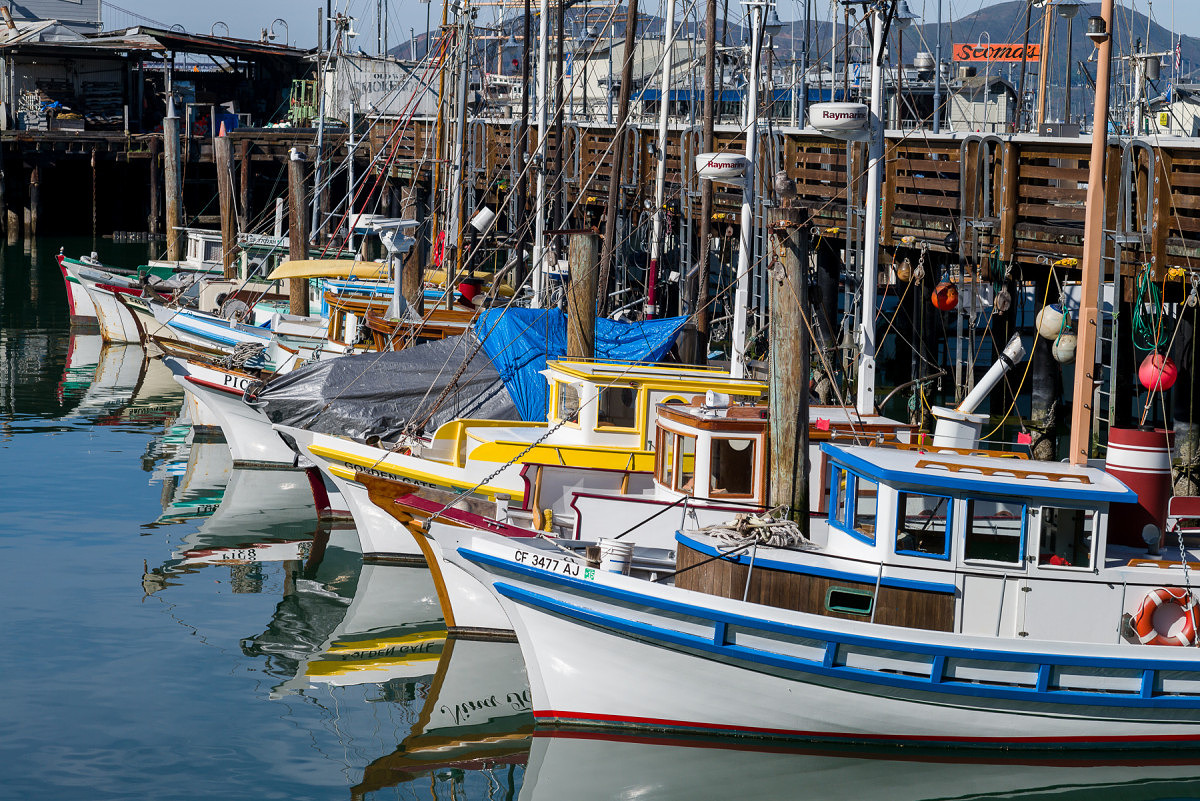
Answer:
(1143, 619)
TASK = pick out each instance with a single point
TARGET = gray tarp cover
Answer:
(380, 393)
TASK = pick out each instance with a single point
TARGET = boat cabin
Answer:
(729, 445)
(946, 541)
(602, 416)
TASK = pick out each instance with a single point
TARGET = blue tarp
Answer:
(519, 342)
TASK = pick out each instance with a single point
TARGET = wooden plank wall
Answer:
(1030, 209)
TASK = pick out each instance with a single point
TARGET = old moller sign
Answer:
(997, 52)
(723, 167)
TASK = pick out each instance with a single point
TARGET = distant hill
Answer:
(999, 24)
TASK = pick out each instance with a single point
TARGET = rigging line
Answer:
(409, 109)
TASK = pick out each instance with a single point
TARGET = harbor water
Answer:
(175, 628)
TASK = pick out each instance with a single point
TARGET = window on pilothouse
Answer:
(866, 493)
(617, 407)
(923, 527)
(1065, 536)
(567, 406)
(994, 531)
(685, 480)
(732, 467)
(664, 459)
(852, 503)
(840, 484)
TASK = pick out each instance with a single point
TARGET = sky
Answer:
(246, 19)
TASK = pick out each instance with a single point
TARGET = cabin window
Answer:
(1066, 537)
(665, 458)
(994, 531)
(865, 494)
(617, 407)
(839, 496)
(567, 405)
(685, 474)
(732, 467)
(923, 527)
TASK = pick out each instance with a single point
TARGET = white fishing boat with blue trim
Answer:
(946, 598)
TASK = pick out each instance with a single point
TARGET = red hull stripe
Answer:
(548, 715)
(120, 290)
(227, 390)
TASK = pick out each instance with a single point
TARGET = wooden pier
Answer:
(1018, 199)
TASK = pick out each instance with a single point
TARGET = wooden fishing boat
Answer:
(599, 421)
(947, 599)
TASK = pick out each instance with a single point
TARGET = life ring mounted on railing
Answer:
(1143, 618)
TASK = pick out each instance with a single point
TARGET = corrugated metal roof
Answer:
(147, 39)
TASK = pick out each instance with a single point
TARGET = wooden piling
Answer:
(35, 198)
(154, 220)
(789, 362)
(297, 231)
(173, 185)
(582, 256)
(412, 281)
(223, 158)
(244, 189)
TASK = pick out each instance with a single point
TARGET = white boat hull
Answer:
(117, 323)
(610, 650)
(248, 432)
(381, 536)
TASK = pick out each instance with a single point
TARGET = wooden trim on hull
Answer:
(892, 606)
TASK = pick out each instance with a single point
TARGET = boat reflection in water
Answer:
(194, 475)
(590, 764)
(476, 717)
(126, 386)
(345, 623)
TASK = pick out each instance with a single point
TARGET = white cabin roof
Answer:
(991, 475)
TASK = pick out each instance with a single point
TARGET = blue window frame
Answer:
(995, 531)
(852, 500)
(924, 524)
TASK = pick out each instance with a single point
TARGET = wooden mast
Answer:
(1093, 252)
(620, 137)
(1043, 65)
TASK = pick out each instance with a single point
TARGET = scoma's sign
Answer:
(997, 52)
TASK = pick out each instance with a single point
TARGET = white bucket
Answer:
(615, 556)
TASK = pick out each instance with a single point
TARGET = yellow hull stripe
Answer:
(404, 474)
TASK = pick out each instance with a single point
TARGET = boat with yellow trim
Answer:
(600, 420)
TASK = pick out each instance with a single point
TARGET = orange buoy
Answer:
(945, 296)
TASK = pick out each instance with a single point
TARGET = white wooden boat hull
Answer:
(248, 432)
(381, 536)
(117, 323)
(610, 650)
(79, 304)
(206, 330)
